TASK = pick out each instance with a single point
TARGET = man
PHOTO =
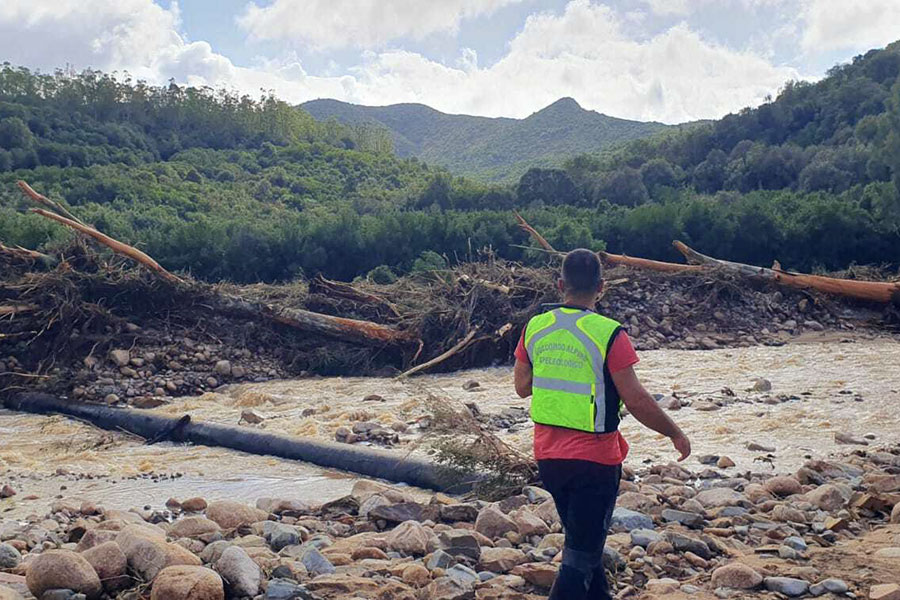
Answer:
(578, 366)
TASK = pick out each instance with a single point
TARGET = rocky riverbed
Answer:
(832, 529)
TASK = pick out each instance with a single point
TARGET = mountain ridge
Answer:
(490, 148)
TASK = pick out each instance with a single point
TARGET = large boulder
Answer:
(492, 523)
(192, 527)
(240, 573)
(148, 554)
(412, 538)
(62, 569)
(736, 575)
(188, 583)
(826, 497)
(110, 564)
(895, 514)
(231, 515)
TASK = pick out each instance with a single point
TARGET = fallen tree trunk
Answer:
(875, 291)
(113, 244)
(371, 462)
(349, 330)
(344, 290)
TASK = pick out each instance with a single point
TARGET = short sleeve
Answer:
(521, 352)
(621, 354)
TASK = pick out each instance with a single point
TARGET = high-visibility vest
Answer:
(571, 385)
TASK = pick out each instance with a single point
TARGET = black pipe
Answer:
(372, 462)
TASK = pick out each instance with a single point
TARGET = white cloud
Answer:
(584, 52)
(326, 24)
(850, 24)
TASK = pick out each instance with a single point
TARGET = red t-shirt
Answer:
(603, 448)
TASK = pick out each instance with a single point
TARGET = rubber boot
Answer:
(570, 584)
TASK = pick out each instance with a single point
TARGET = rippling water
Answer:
(823, 380)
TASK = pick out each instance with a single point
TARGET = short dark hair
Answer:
(582, 271)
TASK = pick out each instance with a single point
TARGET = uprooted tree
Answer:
(471, 315)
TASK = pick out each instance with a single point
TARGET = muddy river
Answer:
(818, 389)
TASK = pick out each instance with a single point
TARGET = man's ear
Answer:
(561, 285)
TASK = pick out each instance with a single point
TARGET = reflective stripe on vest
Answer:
(569, 386)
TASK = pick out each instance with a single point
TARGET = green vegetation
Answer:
(490, 149)
(249, 190)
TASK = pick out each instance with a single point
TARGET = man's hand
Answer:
(683, 445)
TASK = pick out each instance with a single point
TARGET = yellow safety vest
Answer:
(571, 386)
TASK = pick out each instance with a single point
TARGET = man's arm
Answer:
(644, 408)
(522, 376)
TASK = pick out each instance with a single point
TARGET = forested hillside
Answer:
(491, 149)
(255, 190)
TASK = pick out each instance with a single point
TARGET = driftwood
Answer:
(456, 349)
(14, 309)
(344, 290)
(27, 256)
(351, 330)
(113, 244)
(874, 291)
(42, 200)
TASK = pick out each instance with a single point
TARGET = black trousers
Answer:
(585, 495)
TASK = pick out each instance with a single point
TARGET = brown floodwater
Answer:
(824, 387)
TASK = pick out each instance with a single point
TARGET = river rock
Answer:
(736, 575)
(454, 513)
(643, 537)
(95, 537)
(541, 575)
(7, 491)
(625, 519)
(686, 543)
(314, 561)
(895, 514)
(192, 527)
(62, 569)
(188, 583)
(148, 554)
(889, 553)
(783, 485)
(718, 497)
(9, 593)
(460, 542)
(835, 586)
(416, 575)
(788, 586)
(9, 557)
(412, 538)
(194, 505)
(241, 574)
(688, 519)
(229, 514)
(284, 589)
(120, 357)
(446, 588)
(636, 501)
(885, 591)
(492, 523)
(110, 564)
(724, 462)
(826, 497)
(761, 384)
(528, 523)
(501, 560)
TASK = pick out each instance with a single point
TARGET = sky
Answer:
(652, 60)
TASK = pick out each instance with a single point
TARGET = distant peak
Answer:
(561, 106)
(566, 102)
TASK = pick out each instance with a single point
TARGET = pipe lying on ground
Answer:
(371, 462)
